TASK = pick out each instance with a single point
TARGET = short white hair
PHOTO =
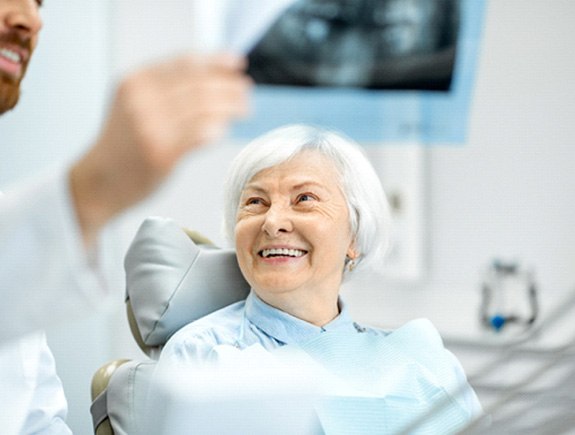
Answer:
(369, 214)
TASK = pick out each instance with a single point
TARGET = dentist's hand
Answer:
(158, 114)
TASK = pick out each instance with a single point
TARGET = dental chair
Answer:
(173, 277)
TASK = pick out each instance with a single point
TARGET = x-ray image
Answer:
(376, 44)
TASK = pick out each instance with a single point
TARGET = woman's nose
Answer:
(24, 17)
(277, 220)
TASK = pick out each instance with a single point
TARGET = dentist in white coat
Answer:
(49, 228)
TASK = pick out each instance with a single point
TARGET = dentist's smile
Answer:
(12, 62)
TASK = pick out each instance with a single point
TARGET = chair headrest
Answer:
(171, 281)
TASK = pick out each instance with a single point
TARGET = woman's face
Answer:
(293, 231)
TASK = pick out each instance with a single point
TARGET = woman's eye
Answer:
(254, 201)
(305, 197)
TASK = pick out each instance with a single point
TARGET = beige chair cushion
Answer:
(171, 281)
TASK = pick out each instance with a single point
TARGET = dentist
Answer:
(49, 228)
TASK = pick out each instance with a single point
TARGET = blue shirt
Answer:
(250, 322)
(396, 374)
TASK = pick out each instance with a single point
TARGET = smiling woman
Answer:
(305, 210)
(293, 236)
(340, 157)
(299, 188)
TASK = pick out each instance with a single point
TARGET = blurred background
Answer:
(506, 192)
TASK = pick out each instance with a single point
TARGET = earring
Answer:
(350, 264)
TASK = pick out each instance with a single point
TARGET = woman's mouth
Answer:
(281, 252)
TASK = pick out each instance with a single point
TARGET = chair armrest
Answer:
(99, 408)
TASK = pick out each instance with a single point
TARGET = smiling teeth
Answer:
(282, 252)
(10, 55)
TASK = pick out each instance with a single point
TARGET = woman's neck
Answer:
(315, 309)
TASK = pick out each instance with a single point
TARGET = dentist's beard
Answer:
(9, 93)
(10, 86)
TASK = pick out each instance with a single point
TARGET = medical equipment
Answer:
(526, 385)
(509, 296)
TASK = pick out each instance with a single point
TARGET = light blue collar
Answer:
(289, 329)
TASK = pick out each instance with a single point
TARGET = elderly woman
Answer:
(306, 210)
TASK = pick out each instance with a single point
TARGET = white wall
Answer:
(509, 191)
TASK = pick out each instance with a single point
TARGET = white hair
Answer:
(368, 207)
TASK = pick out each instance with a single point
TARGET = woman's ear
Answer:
(352, 253)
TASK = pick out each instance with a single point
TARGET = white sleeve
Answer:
(45, 272)
(46, 412)
(31, 396)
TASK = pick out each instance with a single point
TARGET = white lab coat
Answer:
(45, 273)
(31, 396)
(45, 276)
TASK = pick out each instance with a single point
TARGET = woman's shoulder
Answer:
(421, 325)
(419, 330)
(418, 334)
(219, 327)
